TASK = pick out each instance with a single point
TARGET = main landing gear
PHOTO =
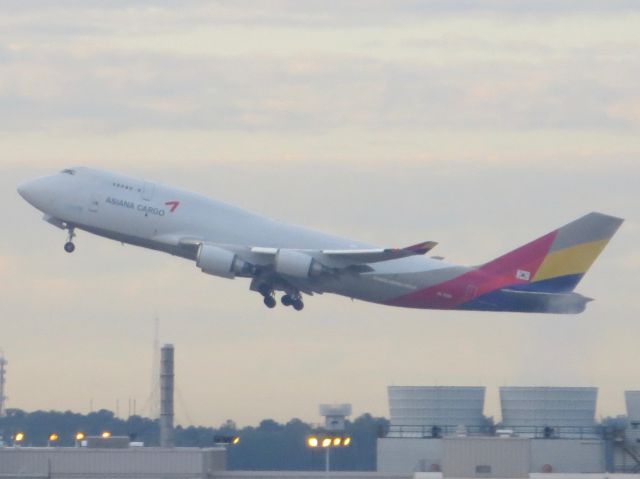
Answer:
(292, 300)
(69, 247)
(267, 292)
(288, 299)
(269, 302)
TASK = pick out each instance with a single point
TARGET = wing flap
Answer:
(363, 256)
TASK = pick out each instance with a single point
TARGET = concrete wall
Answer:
(568, 456)
(486, 457)
(583, 476)
(396, 455)
(623, 461)
(73, 463)
(373, 475)
(306, 475)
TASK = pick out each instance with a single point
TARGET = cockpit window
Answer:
(68, 172)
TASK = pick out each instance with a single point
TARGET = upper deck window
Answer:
(123, 186)
(68, 172)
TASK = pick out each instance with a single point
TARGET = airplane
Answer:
(230, 242)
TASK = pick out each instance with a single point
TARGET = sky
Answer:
(480, 125)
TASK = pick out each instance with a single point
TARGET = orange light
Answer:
(326, 442)
(53, 437)
(80, 436)
(236, 440)
(105, 435)
(346, 441)
(337, 441)
(19, 437)
(312, 441)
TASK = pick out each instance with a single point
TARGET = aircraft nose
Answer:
(24, 189)
(36, 193)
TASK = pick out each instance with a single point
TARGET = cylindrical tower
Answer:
(166, 396)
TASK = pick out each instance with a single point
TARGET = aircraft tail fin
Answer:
(557, 261)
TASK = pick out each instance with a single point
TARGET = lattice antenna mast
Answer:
(3, 398)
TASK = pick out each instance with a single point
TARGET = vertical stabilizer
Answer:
(556, 262)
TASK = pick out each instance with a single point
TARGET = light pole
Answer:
(327, 462)
(327, 442)
(226, 440)
(53, 437)
(334, 423)
(18, 438)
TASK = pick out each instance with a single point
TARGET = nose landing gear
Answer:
(69, 247)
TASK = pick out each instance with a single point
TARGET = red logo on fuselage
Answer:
(173, 205)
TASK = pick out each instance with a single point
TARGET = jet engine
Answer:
(298, 265)
(220, 262)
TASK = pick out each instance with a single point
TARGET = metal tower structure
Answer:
(154, 394)
(166, 395)
(3, 398)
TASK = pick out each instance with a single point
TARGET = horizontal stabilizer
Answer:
(536, 302)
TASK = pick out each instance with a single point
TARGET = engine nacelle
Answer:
(298, 265)
(220, 262)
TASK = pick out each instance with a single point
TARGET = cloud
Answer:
(122, 92)
(142, 68)
(478, 125)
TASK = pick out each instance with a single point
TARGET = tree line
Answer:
(269, 446)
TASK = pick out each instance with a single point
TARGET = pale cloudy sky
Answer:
(480, 125)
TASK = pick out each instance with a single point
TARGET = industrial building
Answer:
(114, 457)
(543, 430)
(569, 412)
(436, 432)
(86, 463)
(626, 449)
(415, 410)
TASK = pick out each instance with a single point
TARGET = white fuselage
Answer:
(159, 217)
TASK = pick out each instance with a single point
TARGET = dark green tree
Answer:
(270, 446)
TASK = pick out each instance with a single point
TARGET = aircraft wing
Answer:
(343, 257)
(362, 256)
(230, 260)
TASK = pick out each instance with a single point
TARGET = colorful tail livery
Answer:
(538, 277)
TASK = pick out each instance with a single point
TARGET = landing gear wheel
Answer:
(265, 290)
(298, 305)
(69, 247)
(269, 302)
(286, 300)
